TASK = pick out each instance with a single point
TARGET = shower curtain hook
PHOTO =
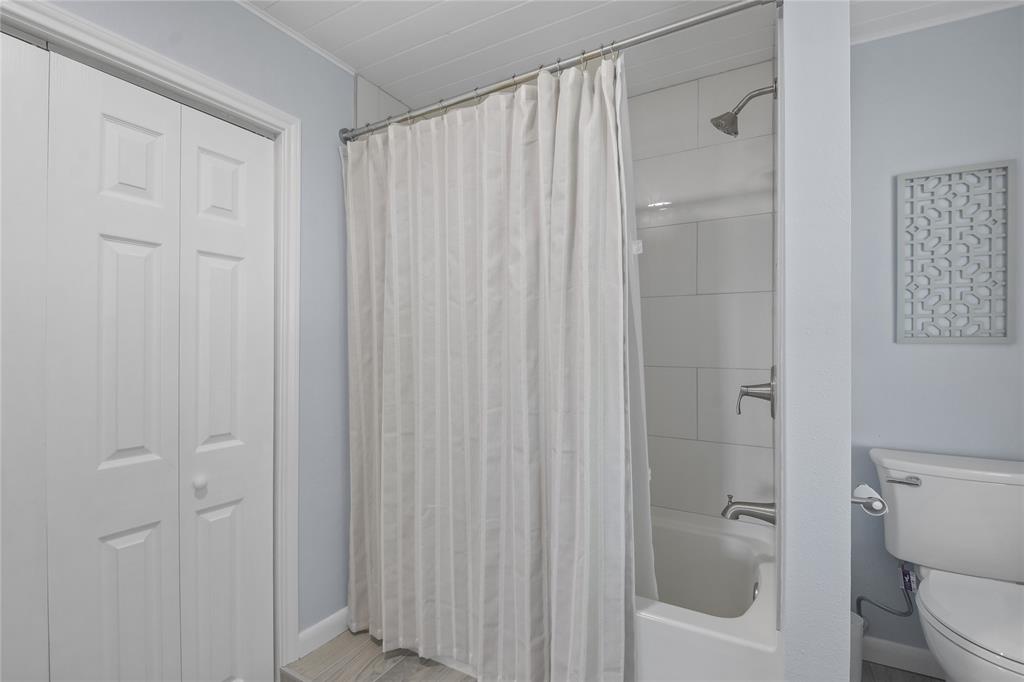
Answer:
(476, 92)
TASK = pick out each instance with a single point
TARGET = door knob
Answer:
(760, 391)
(199, 483)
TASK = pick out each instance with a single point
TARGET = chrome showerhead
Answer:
(728, 123)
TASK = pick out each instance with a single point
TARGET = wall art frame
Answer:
(953, 231)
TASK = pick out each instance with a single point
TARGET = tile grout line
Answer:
(711, 220)
(716, 293)
(701, 147)
(715, 369)
(712, 442)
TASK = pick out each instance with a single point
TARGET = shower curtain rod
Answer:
(348, 134)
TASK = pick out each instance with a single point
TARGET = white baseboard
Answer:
(902, 656)
(318, 634)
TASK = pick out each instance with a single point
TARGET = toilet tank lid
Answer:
(1003, 471)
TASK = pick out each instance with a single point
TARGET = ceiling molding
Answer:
(296, 36)
(892, 25)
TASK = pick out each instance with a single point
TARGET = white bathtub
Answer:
(709, 625)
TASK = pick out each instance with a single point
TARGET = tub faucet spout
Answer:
(764, 511)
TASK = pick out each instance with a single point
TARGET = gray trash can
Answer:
(856, 646)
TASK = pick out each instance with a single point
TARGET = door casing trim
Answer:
(74, 37)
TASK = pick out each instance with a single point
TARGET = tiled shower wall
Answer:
(706, 281)
(373, 104)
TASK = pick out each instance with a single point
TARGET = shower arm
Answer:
(766, 90)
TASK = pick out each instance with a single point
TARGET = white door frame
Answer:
(84, 41)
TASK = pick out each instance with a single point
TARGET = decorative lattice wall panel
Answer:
(952, 229)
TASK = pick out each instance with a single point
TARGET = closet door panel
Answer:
(23, 250)
(227, 341)
(112, 378)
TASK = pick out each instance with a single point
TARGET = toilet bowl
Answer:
(973, 626)
(961, 520)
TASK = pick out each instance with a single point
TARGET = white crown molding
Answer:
(296, 36)
(898, 24)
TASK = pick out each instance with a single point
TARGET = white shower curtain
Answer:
(492, 481)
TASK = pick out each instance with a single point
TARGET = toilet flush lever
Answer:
(760, 391)
(912, 481)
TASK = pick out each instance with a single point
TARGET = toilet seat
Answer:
(983, 617)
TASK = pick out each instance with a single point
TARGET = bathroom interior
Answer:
(809, 294)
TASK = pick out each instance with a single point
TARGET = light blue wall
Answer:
(229, 43)
(934, 98)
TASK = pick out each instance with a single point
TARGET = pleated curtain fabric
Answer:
(491, 471)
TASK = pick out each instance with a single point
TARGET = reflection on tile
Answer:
(723, 91)
(721, 330)
(717, 390)
(705, 184)
(734, 254)
(671, 401)
(695, 476)
(668, 265)
(664, 121)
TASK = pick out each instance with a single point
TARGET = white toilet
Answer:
(961, 520)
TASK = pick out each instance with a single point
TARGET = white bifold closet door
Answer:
(226, 401)
(112, 378)
(159, 387)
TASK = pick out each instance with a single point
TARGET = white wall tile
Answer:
(725, 185)
(367, 102)
(734, 254)
(716, 182)
(668, 265)
(695, 476)
(674, 75)
(389, 106)
(373, 104)
(722, 330)
(671, 401)
(716, 406)
(664, 121)
(723, 91)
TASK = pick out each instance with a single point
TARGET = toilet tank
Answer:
(965, 514)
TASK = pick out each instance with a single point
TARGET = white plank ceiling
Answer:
(874, 19)
(421, 51)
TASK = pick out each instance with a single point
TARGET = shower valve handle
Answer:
(764, 391)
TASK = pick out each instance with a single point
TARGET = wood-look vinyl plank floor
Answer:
(359, 658)
(876, 672)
